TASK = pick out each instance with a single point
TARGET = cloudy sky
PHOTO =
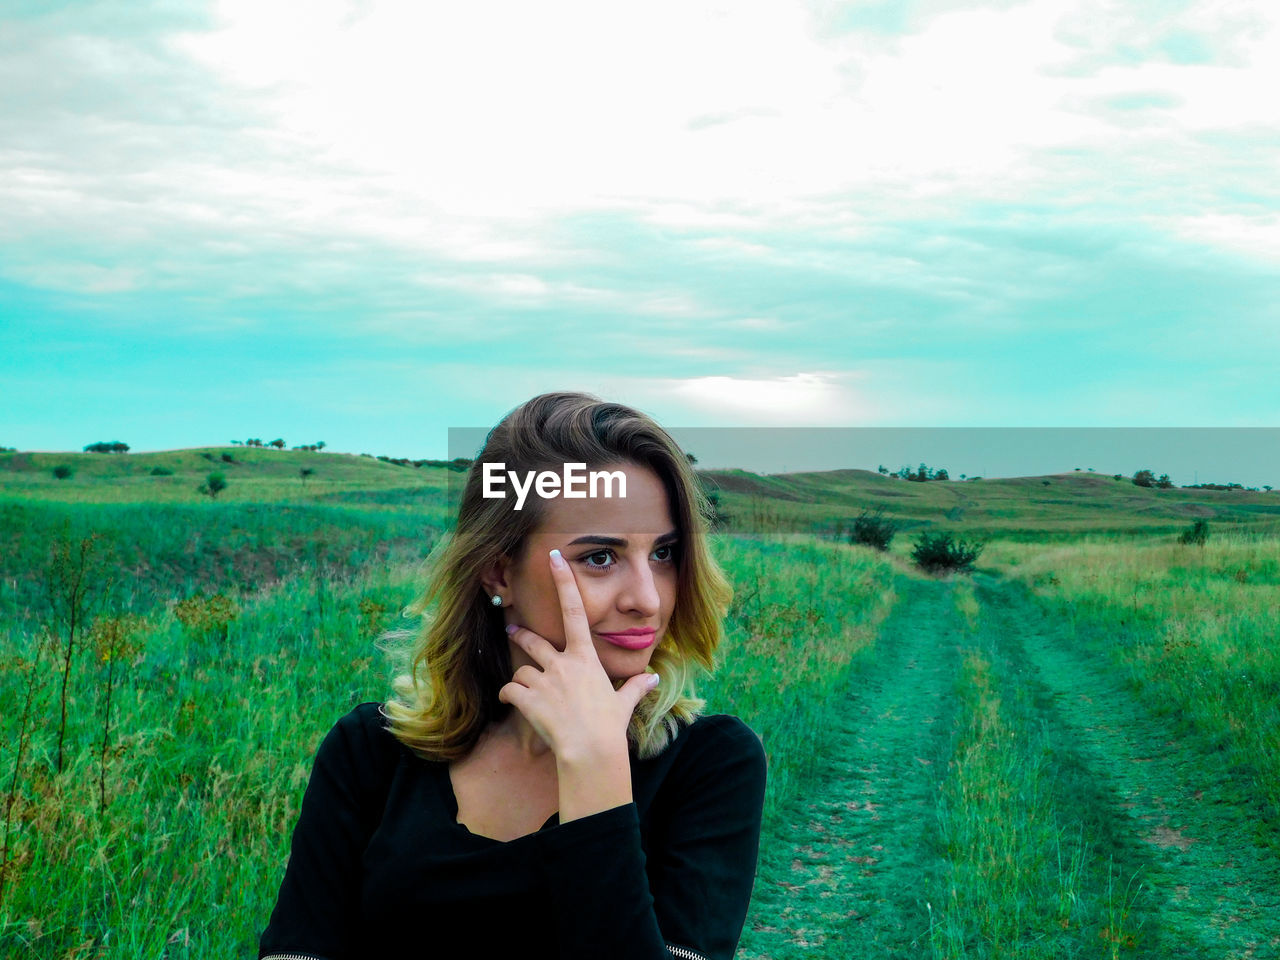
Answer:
(366, 222)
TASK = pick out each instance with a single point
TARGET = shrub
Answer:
(1195, 534)
(62, 471)
(938, 553)
(715, 516)
(206, 617)
(162, 471)
(1164, 483)
(1144, 478)
(873, 530)
(214, 484)
(228, 458)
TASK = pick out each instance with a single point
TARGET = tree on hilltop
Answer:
(107, 446)
(922, 474)
(1144, 478)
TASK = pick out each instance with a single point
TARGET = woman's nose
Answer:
(640, 592)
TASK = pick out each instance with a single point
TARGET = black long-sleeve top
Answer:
(380, 866)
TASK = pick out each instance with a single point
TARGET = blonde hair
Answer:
(460, 659)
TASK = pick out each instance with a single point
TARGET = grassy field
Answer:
(1071, 753)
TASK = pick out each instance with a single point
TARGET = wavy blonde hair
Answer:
(460, 658)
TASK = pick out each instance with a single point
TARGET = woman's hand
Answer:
(568, 697)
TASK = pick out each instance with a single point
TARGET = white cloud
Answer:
(73, 277)
(813, 399)
(1256, 237)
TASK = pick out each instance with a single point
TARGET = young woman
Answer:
(543, 784)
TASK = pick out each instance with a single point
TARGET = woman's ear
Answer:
(494, 578)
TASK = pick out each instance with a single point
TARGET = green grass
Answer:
(1023, 508)
(211, 738)
(805, 616)
(255, 476)
(1193, 628)
(1008, 840)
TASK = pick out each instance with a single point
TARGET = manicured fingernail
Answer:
(512, 627)
(653, 680)
(557, 561)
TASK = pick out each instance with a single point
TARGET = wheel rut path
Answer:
(1148, 800)
(1169, 840)
(859, 853)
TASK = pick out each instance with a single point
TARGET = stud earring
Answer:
(497, 600)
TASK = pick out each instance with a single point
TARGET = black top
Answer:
(380, 866)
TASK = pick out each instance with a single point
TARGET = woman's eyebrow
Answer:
(619, 542)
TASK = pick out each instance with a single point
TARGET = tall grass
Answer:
(1013, 880)
(805, 614)
(167, 551)
(1193, 626)
(212, 739)
(212, 734)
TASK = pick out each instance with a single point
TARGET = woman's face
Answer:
(623, 554)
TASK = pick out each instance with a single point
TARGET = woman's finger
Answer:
(526, 675)
(539, 648)
(577, 632)
(637, 688)
(515, 694)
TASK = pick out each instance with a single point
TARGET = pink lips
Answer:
(637, 638)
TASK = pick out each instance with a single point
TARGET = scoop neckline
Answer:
(451, 805)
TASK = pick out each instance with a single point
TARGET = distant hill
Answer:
(252, 473)
(1069, 504)
(1065, 505)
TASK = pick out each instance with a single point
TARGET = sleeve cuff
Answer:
(614, 823)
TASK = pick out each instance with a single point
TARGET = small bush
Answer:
(62, 471)
(228, 458)
(206, 617)
(715, 515)
(1196, 534)
(214, 484)
(938, 553)
(162, 471)
(873, 530)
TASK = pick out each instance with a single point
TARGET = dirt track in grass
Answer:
(1207, 879)
(850, 868)
(1173, 856)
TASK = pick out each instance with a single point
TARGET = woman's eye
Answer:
(665, 553)
(603, 556)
